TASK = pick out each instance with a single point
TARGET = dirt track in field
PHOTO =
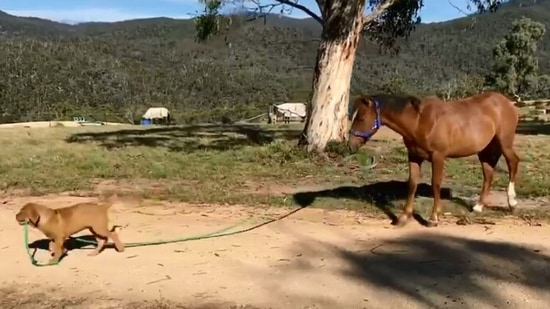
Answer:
(311, 259)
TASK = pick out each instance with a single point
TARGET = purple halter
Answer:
(375, 126)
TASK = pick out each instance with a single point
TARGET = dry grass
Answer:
(241, 164)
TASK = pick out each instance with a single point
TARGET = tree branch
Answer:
(462, 12)
(302, 8)
(379, 10)
(262, 10)
(457, 8)
(321, 5)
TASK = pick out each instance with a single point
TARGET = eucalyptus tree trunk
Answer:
(327, 114)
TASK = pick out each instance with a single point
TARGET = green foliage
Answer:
(115, 71)
(541, 86)
(399, 20)
(337, 149)
(516, 62)
(282, 153)
(209, 23)
(462, 86)
(396, 21)
(398, 84)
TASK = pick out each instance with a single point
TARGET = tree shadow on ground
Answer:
(188, 138)
(443, 270)
(533, 128)
(381, 194)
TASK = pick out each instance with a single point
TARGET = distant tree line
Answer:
(515, 69)
(114, 72)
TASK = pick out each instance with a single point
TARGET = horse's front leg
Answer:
(438, 164)
(415, 165)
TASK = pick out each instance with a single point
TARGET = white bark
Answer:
(330, 99)
(327, 120)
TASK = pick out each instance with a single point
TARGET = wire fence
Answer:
(193, 116)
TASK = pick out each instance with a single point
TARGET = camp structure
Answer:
(287, 112)
(156, 115)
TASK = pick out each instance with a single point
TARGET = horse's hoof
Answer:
(477, 208)
(401, 221)
(511, 209)
(432, 223)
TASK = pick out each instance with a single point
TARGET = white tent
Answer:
(292, 109)
(156, 113)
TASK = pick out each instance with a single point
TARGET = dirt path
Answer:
(312, 259)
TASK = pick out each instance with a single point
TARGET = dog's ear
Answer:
(32, 212)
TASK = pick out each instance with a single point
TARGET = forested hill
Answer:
(114, 71)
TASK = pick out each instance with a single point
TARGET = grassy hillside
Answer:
(114, 71)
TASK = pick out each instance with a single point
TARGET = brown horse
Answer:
(433, 130)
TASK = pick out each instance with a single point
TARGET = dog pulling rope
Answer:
(220, 233)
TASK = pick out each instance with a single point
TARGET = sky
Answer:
(117, 10)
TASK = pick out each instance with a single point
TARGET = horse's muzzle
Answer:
(355, 142)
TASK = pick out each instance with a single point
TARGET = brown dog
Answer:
(59, 224)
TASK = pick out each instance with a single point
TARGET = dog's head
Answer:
(28, 213)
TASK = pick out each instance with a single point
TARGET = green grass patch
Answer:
(237, 164)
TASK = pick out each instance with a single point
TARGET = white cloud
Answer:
(83, 15)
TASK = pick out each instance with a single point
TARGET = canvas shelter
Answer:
(156, 115)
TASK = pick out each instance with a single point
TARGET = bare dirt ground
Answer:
(50, 124)
(310, 259)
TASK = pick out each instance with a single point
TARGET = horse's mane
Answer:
(392, 102)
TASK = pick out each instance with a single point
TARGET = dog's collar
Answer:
(35, 224)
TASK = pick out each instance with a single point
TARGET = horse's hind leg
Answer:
(512, 160)
(438, 167)
(488, 157)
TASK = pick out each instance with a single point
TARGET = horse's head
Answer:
(365, 121)
(371, 112)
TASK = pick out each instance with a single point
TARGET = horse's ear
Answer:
(415, 102)
(363, 99)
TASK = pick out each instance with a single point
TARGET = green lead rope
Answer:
(219, 233)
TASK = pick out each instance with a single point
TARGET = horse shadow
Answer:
(72, 243)
(381, 194)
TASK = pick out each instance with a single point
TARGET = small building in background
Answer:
(156, 115)
(287, 112)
